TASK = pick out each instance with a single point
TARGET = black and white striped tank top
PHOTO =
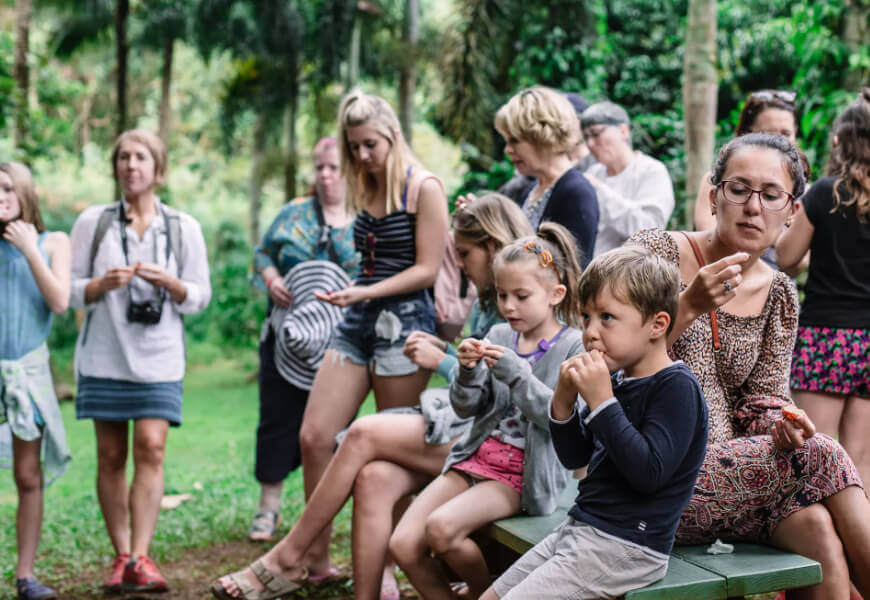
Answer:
(387, 245)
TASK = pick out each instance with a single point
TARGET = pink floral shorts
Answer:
(832, 360)
(497, 461)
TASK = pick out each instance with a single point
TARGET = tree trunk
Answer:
(122, 11)
(856, 32)
(23, 13)
(353, 57)
(408, 74)
(255, 183)
(700, 87)
(165, 88)
(291, 164)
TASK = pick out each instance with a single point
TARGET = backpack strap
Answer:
(413, 183)
(176, 242)
(108, 215)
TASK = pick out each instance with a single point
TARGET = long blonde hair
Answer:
(358, 108)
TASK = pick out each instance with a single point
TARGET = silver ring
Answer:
(727, 285)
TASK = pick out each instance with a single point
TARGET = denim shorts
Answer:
(375, 331)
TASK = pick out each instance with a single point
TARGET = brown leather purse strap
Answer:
(714, 324)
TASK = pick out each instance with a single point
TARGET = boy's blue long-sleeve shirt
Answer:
(644, 448)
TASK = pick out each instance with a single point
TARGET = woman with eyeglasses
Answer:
(767, 476)
(401, 231)
(830, 372)
(314, 227)
(765, 111)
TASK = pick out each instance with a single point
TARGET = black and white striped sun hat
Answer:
(303, 332)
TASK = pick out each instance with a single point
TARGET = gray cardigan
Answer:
(486, 393)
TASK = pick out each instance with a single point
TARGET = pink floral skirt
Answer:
(497, 461)
(832, 360)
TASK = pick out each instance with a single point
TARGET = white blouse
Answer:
(109, 346)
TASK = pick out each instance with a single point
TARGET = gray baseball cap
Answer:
(603, 113)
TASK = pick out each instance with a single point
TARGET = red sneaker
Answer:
(112, 583)
(141, 575)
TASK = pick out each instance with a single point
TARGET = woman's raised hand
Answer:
(715, 284)
(470, 351)
(790, 434)
(117, 277)
(464, 200)
(22, 235)
(342, 298)
(425, 350)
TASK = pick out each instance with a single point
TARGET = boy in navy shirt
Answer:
(642, 432)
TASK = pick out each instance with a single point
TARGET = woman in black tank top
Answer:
(400, 232)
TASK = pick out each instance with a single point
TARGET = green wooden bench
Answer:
(692, 573)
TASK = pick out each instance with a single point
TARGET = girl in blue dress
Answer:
(34, 286)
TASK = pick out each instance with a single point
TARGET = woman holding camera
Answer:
(137, 267)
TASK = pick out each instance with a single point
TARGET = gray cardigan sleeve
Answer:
(470, 390)
(530, 394)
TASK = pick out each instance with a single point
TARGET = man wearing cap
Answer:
(634, 190)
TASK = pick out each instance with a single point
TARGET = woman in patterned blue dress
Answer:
(295, 236)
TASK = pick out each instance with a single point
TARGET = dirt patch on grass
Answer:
(191, 577)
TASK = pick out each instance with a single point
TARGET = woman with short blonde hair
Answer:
(540, 130)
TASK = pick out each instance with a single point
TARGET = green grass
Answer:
(211, 457)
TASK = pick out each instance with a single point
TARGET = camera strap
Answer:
(325, 230)
(123, 222)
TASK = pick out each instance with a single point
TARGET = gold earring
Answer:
(788, 222)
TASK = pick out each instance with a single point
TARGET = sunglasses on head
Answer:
(768, 95)
(369, 262)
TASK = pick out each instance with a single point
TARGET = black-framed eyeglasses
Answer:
(771, 197)
(369, 262)
(786, 96)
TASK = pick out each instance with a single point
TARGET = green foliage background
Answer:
(233, 59)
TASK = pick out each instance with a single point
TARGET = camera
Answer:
(147, 313)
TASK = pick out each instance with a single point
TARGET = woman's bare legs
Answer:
(854, 428)
(851, 512)
(379, 486)
(27, 472)
(112, 489)
(441, 518)
(149, 448)
(405, 390)
(392, 437)
(810, 532)
(339, 388)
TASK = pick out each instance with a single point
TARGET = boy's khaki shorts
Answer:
(576, 562)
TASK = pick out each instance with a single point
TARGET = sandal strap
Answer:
(275, 583)
(265, 520)
(246, 588)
